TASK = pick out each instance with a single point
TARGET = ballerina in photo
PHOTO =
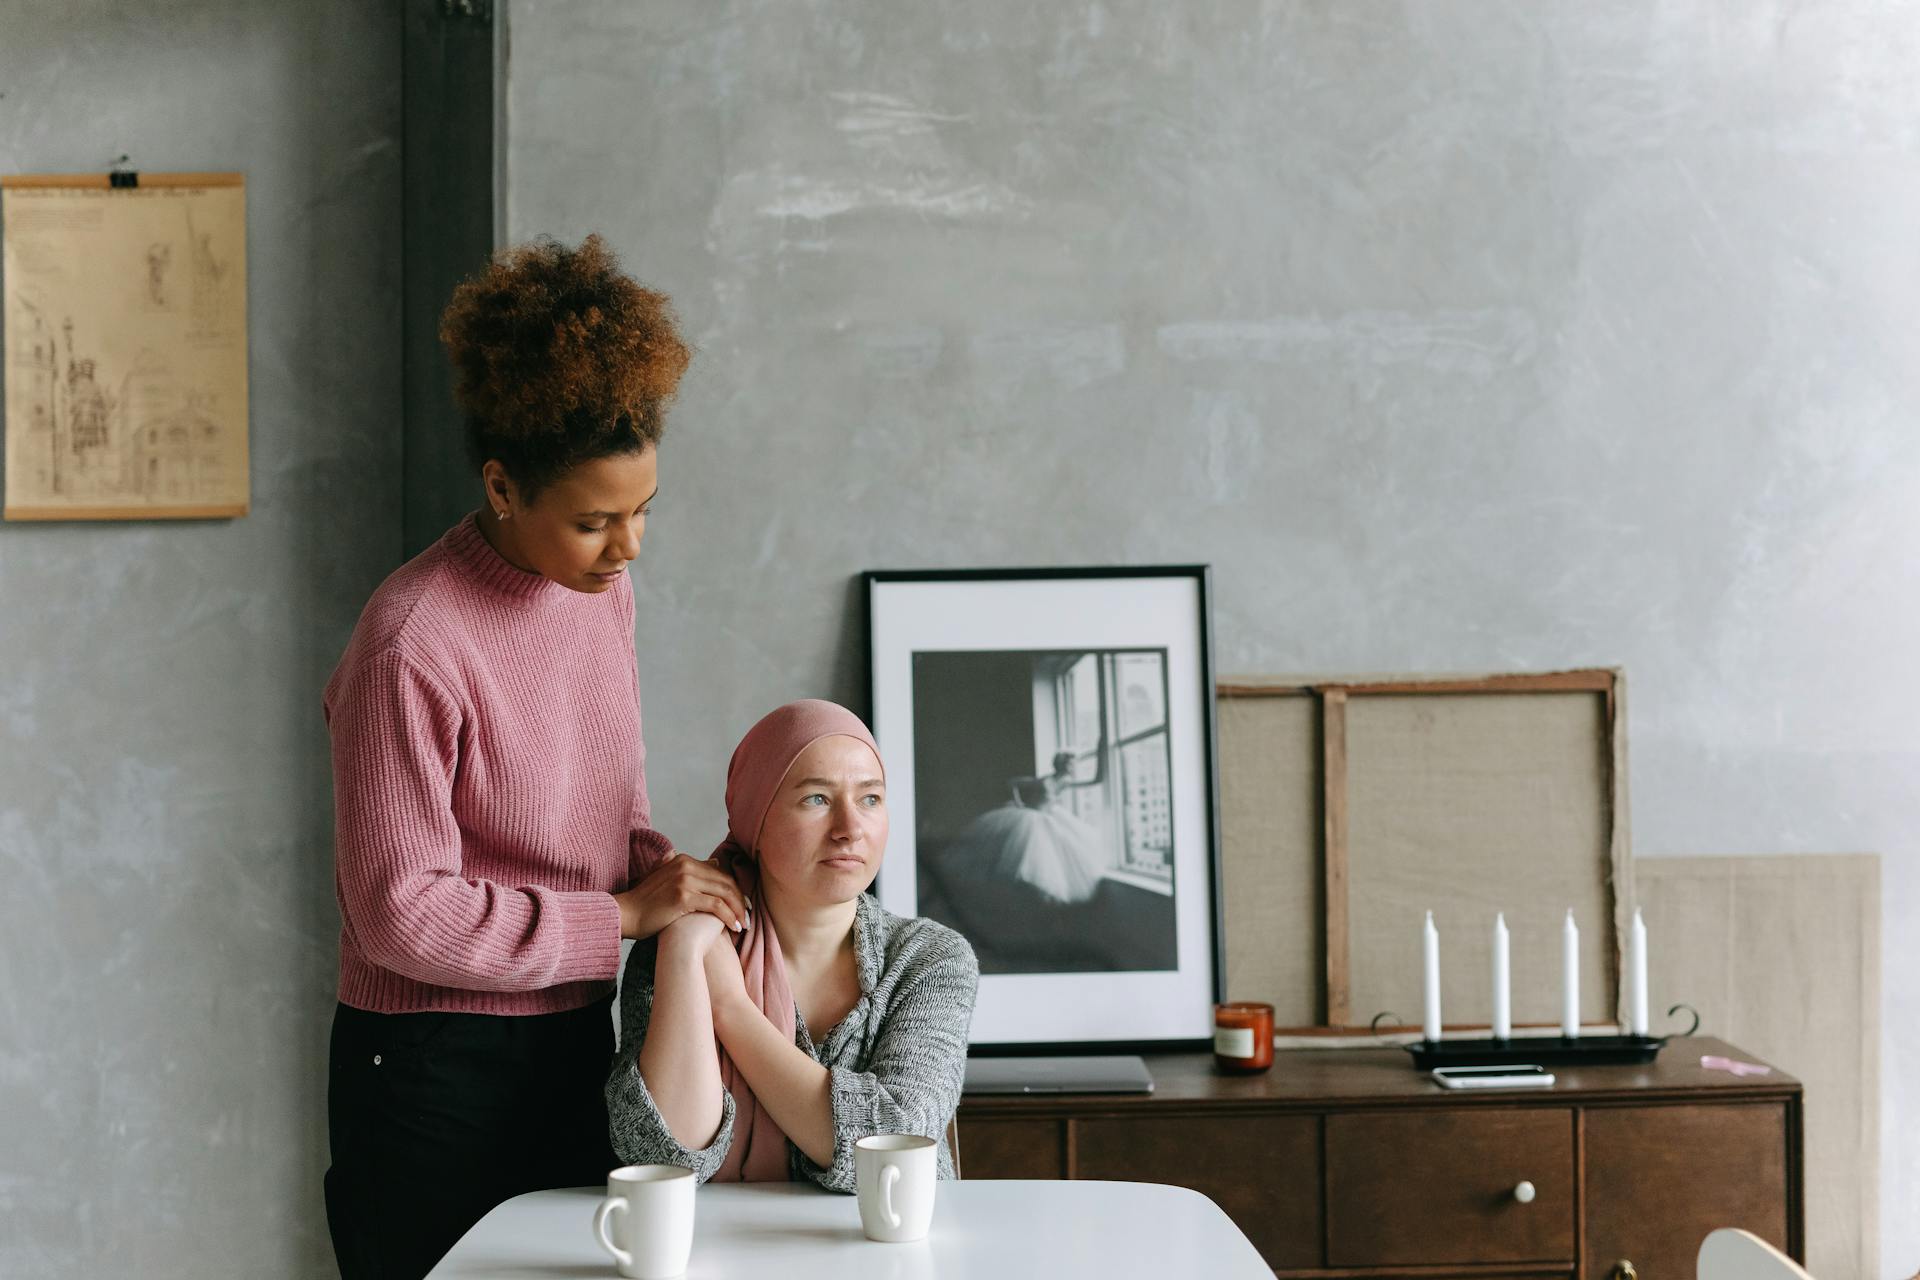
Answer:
(1037, 839)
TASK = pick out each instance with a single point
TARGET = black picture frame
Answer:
(1065, 968)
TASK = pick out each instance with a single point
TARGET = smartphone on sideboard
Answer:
(1512, 1076)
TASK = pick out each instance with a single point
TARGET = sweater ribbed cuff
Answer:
(592, 931)
(646, 849)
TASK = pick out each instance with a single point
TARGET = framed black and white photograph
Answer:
(1049, 742)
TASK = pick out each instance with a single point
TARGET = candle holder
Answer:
(1547, 1051)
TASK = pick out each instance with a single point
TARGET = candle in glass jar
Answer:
(1243, 1036)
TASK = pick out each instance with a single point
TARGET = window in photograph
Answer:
(1140, 702)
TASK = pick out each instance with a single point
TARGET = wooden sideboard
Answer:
(1349, 1163)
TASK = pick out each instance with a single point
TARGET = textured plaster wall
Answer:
(167, 925)
(1455, 336)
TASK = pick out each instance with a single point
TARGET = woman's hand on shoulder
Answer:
(680, 886)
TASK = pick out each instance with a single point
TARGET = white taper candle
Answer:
(1637, 1021)
(1430, 995)
(1502, 1002)
(1570, 978)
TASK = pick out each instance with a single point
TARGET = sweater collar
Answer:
(869, 957)
(869, 942)
(469, 549)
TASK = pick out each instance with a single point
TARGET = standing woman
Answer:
(493, 843)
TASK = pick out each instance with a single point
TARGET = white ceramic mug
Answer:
(646, 1221)
(895, 1174)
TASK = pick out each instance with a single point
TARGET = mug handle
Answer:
(888, 1178)
(611, 1205)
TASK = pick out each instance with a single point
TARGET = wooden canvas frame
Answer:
(1333, 701)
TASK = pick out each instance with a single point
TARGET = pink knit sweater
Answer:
(489, 787)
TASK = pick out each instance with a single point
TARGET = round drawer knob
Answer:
(1624, 1270)
(1524, 1193)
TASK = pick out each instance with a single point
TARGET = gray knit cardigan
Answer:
(896, 1061)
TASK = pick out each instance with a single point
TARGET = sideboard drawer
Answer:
(1013, 1148)
(1438, 1187)
(1660, 1178)
(1263, 1170)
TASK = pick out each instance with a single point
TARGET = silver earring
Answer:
(501, 514)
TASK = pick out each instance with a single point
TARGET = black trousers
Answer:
(435, 1118)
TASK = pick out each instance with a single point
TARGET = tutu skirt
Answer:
(1060, 855)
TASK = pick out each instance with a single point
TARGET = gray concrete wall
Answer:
(167, 924)
(1455, 336)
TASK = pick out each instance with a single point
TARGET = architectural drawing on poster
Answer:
(126, 351)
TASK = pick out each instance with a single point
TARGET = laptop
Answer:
(1124, 1073)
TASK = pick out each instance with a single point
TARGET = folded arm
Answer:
(910, 1082)
(792, 1087)
(665, 1102)
(677, 1058)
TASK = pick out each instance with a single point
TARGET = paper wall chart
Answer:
(126, 346)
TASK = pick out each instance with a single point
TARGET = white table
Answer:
(997, 1230)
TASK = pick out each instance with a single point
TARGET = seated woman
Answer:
(765, 1055)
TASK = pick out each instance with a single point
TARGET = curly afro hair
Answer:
(558, 359)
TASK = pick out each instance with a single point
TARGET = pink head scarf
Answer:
(760, 764)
